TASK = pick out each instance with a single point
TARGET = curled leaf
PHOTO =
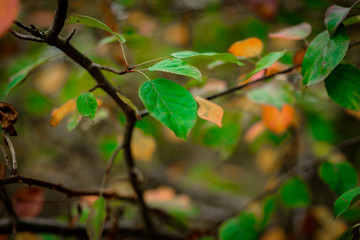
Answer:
(209, 111)
(248, 48)
(58, 114)
(8, 117)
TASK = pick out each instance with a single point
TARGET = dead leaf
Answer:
(142, 146)
(254, 131)
(274, 233)
(247, 48)
(299, 56)
(209, 111)
(278, 121)
(8, 117)
(28, 202)
(9, 10)
(165, 197)
(58, 114)
(297, 32)
(51, 78)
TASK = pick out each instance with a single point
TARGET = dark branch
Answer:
(354, 44)
(25, 37)
(59, 188)
(69, 37)
(58, 23)
(110, 69)
(45, 225)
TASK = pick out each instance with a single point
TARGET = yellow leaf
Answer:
(58, 114)
(142, 146)
(278, 121)
(209, 111)
(248, 48)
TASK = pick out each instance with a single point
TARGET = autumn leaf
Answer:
(297, 32)
(299, 56)
(58, 114)
(9, 10)
(248, 48)
(209, 111)
(28, 202)
(278, 121)
(254, 131)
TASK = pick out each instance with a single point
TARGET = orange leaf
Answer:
(299, 56)
(28, 202)
(9, 10)
(59, 113)
(248, 48)
(278, 121)
(254, 131)
(275, 68)
(209, 111)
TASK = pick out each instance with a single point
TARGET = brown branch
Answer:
(45, 225)
(26, 37)
(110, 164)
(111, 69)
(69, 37)
(59, 188)
(58, 23)
(354, 44)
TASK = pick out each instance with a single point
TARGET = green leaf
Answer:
(345, 201)
(335, 15)
(266, 62)
(351, 20)
(273, 93)
(130, 104)
(225, 57)
(96, 219)
(295, 193)
(239, 228)
(23, 74)
(177, 66)
(86, 105)
(171, 104)
(339, 176)
(343, 86)
(323, 55)
(348, 234)
(73, 121)
(92, 22)
(269, 207)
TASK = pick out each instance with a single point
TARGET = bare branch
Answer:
(58, 23)
(110, 164)
(12, 151)
(69, 37)
(25, 37)
(111, 69)
(59, 188)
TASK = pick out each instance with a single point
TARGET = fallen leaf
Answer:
(297, 32)
(9, 10)
(209, 111)
(247, 48)
(278, 121)
(254, 131)
(28, 202)
(142, 146)
(8, 117)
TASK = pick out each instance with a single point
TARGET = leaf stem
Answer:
(150, 61)
(140, 71)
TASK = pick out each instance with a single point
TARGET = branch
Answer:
(58, 23)
(298, 168)
(45, 225)
(59, 188)
(26, 37)
(111, 69)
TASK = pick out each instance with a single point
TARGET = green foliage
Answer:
(265, 62)
(86, 105)
(224, 57)
(334, 16)
(269, 208)
(346, 200)
(295, 193)
(92, 22)
(340, 177)
(241, 227)
(273, 93)
(171, 104)
(323, 55)
(343, 85)
(177, 66)
(96, 219)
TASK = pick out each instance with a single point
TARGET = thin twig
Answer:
(110, 164)
(150, 61)
(354, 44)
(69, 37)
(26, 37)
(59, 188)
(111, 69)
(94, 88)
(6, 158)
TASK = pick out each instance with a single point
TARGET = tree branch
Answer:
(59, 188)
(26, 37)
(45, 225)
(58, 23)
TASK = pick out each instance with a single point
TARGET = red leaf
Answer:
(297, 32)
(9, 10)
(28, 202)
